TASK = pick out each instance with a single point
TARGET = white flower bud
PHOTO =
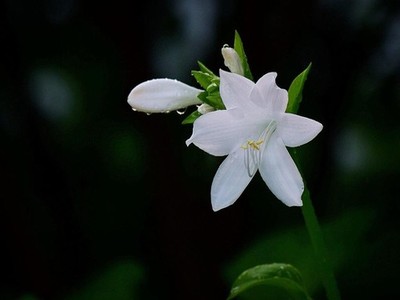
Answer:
(162, 95)
(232, 60)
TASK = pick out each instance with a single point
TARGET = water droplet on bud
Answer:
(181, 112)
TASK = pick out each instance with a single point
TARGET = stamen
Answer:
(254, 149)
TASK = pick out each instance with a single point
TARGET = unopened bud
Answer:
(232, 60)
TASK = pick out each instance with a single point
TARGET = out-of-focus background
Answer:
(100, 202)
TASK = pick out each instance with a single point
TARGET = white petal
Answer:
(230, 181)
(235, 90)
(162, 95)
(268, 95)
(297, 130)
(280, 173)
(220, 132)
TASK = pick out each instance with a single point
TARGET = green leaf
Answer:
(191, 118)
(280, 276)
(238, 46)
(296, 91)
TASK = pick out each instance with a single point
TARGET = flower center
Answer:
(255, 148)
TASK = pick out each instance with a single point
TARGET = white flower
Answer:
(232, 60)
(253, 131)
(162, 95)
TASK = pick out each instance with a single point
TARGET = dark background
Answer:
(99, 202)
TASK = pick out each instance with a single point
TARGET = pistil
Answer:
(255, 148)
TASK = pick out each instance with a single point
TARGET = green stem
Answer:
(317, 240)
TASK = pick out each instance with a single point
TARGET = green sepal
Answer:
(191, 118)
(215, 101)
(202, 78)
(210, 83)
(238, 46)
(206, 70)
(212, 88)
(203, 97)
(284, 277)
(296, 91)
(205, 76)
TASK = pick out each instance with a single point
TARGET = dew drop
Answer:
(148, 114)
(134, 109)
(181, 112)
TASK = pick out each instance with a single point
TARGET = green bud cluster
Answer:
(210, 82)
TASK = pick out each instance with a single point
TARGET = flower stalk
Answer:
(318, 243)
(310, 218)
